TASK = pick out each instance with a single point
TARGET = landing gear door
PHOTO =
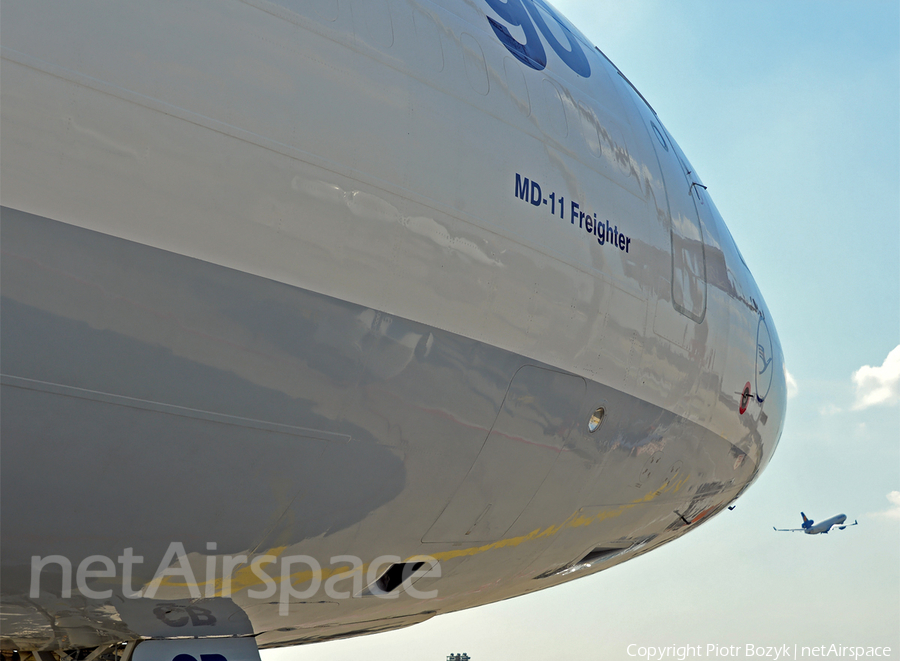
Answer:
(197, 649)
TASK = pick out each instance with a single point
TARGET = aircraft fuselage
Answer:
(349, 281)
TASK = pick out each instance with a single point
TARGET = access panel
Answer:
(539, 411)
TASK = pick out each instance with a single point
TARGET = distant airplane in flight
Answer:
(810, 528)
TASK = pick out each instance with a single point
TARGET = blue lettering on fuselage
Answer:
(606, 233)
(529, 16)
(521, 187)
(529, 191)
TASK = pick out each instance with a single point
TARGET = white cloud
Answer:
(878, 385)
(893, 512)
(830, 409)
(791, 382)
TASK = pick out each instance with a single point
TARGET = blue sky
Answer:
(790, 111)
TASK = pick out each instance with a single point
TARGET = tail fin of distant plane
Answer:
(807, 523)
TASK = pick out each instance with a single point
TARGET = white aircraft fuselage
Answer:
(826, 525)
(333, 279)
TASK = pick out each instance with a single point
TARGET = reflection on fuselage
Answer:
(280, 290)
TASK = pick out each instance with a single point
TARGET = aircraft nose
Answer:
(770, 386)
(765, 358)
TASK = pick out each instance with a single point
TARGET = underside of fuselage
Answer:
(156, 398)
